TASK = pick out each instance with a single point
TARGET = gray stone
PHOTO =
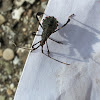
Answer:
(9, 31)
(20, 2)
(44, 4)
(1, 53)
(2, 97)
(9, 92)
(16, 14)
(2, 19)
(16, 61)
(10, 98)
(3, 78)
(12, 86)
(8, 69)
(8, 54)
(6, 5)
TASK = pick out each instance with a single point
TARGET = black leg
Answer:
(51, 57)
(65, 23)
(35, 48)
(55, 41)
(42, 49)
(35, 44)
(39, 14)
(56, 59)
(47, 48)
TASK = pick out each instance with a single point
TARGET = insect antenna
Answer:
(20, 46)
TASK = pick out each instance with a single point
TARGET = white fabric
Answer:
(46, 79)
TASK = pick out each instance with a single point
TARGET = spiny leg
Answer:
(47, 48)
(55, 41)
(65, 23)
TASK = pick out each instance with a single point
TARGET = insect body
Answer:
(49, 26)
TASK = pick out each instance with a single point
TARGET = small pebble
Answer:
(8, 68)
(43, 0)
(9, 92)
(2, 97)
(14, 89)
(16, 14)
(30, 1)
(4, 78)
(10, 98)
(0, 31)
(43, 4)
(6, 5)
(20, 51)
(24, 29)
(15, 80)
(16, 61)
(19, 2)
(12, 86)
(2, 89)
(29, 13)
(9, 76)
(26, 17)
(8, 54)
(2, 19)
(1, 52)
(28, 45)
(25, 33)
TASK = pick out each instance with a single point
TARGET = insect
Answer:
(49, 27)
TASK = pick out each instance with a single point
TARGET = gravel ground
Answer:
(17, 22)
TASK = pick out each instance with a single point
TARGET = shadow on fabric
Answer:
(79, 39)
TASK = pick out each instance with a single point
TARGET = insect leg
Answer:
(47, 48)
(35, 44)
(55, 41)
(56, 59)
(35, 48)
(39, 14)
(65, 23)
(42, 49)
(51, 57)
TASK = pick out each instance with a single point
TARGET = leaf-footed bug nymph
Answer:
(49, 27)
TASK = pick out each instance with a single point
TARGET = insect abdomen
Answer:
(44, 37)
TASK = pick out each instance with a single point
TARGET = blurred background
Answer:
(17, 22)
